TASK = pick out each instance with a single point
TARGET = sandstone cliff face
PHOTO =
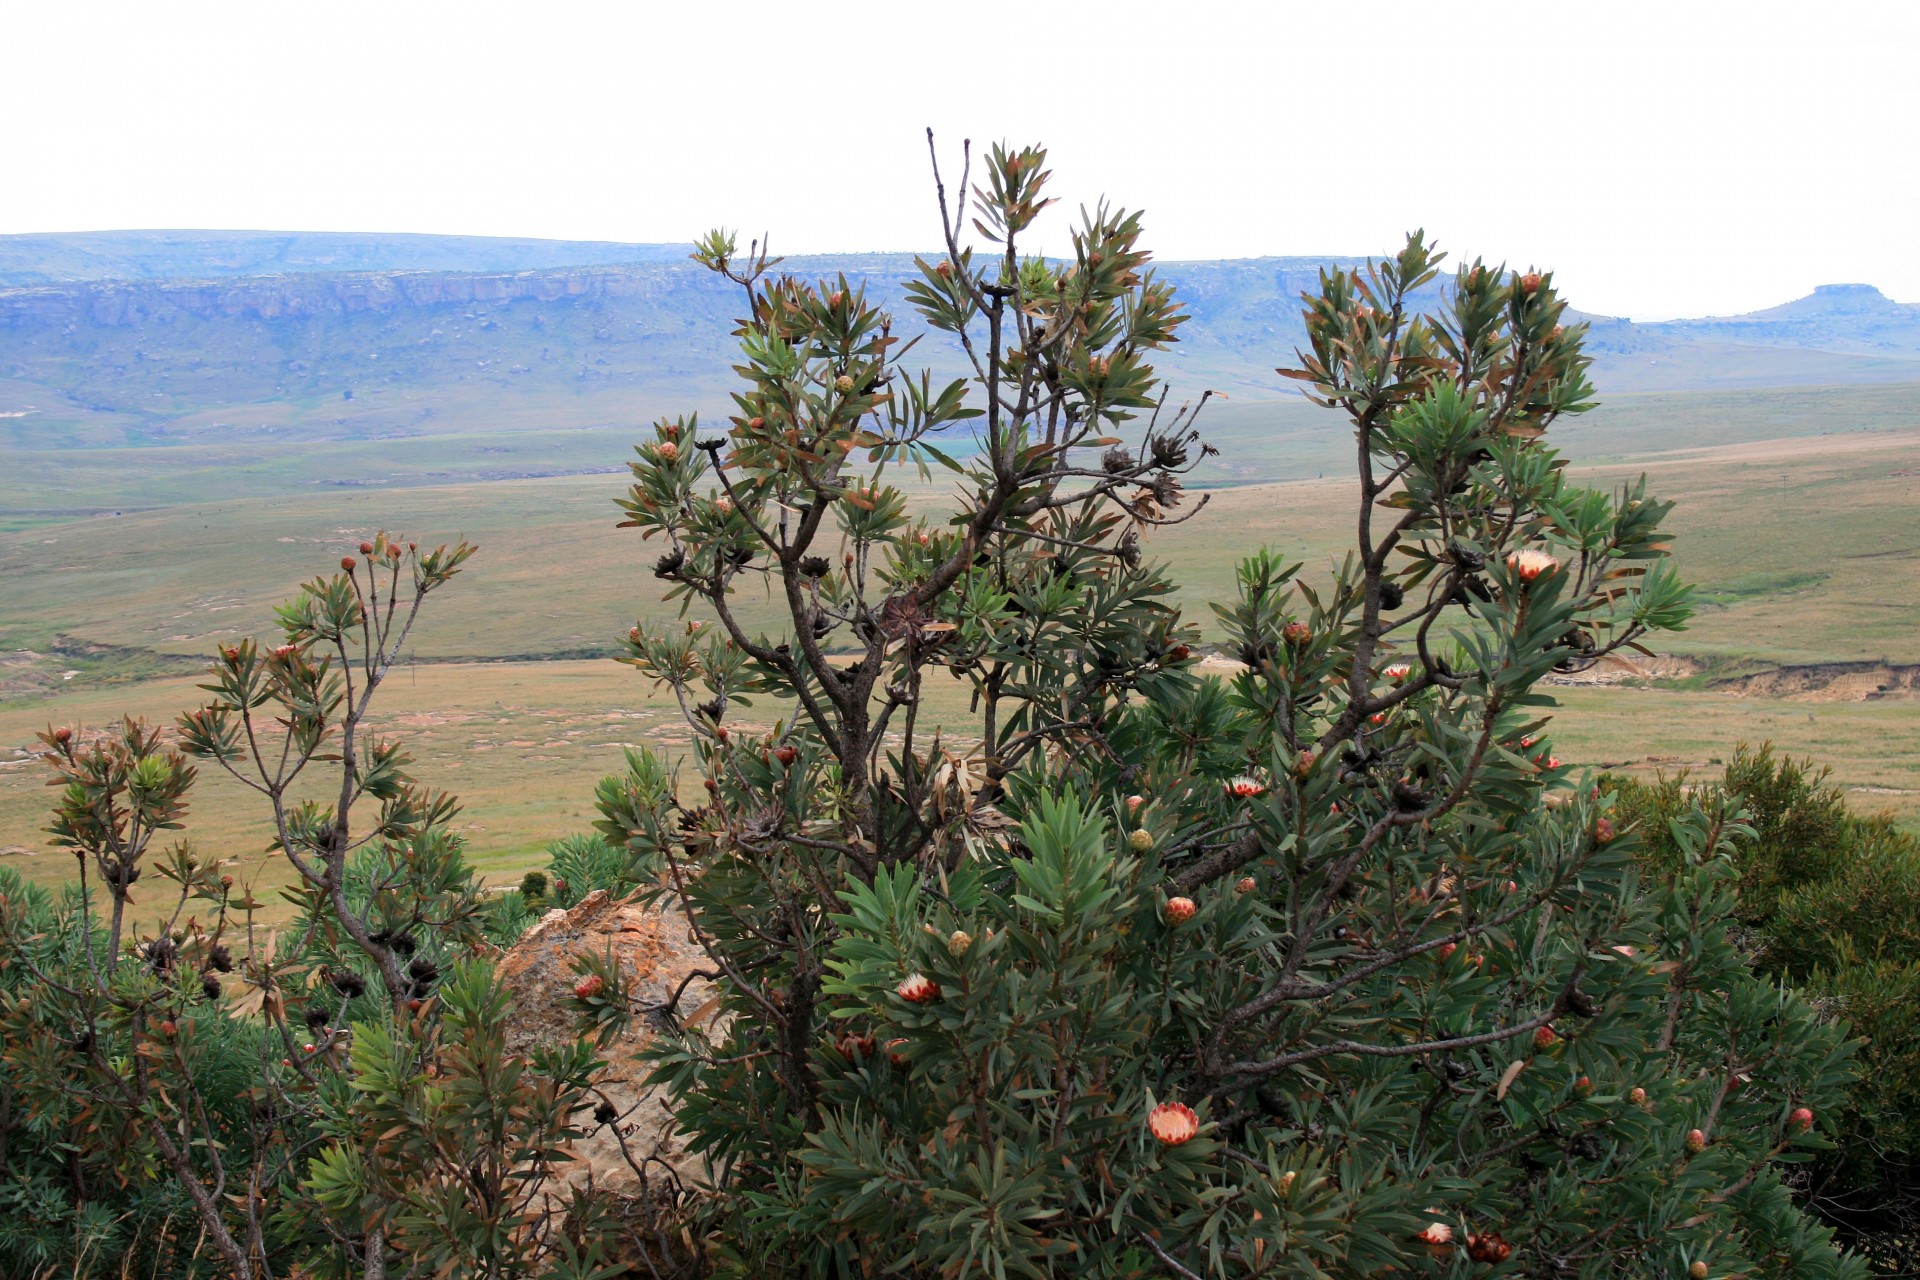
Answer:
(656, 954)
(124, 303)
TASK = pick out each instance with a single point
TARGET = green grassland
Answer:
(524, 743)
(1798, 517)
(1804, 549)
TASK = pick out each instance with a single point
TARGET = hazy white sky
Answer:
(1681, 157)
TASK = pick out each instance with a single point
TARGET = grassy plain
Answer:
(1798, 518)
(524, 743)
(1805, 550)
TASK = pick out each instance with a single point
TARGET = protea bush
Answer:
(186, 1092)
(1322, 966)
(1317, 964)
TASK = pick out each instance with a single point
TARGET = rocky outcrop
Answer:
(657, 954)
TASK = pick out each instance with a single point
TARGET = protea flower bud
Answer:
(1801, 1119)
(1296, 633)
(1530, 282)
(835, 298)
(1141, 840)
(1173, 1123)
(957, 943)
(1696, 1141)
(1446, 949)
(62, 736)
(366, 548)
(1179, 653)
(1583, 1086)
(785, 754)
(1698, 1270)
(1603, 830)
(917, 988)
(1180, 910)
(1638, 1096)
(1303, 764)
(1545, 1038)
(1245, 884)
(843, 384)
(944, 270)
(667, 451)
(1488, 1248)
(589, 987)
(856, 1048)
(1134, 803)
(349, 563)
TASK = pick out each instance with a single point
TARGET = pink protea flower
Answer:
(1530, 564)
(1173, 1123)
(1180, 910)
(918, 988)
(667, 451)
(1625, 950)
(1245, 787)
(1437, 1236)
(1801, 1119)
(590, 986)
(1398, 671)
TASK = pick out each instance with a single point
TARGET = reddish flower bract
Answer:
(918, 988)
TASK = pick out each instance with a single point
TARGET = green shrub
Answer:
(1147, 971)
(332, 1098)
(1802, 831)
(583, 863)
(511, 916)
(1831, 901)
(1866, 909)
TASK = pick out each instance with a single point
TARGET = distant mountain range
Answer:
(131, 337)
(64, 257)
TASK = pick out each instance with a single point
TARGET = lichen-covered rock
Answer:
(657, 953)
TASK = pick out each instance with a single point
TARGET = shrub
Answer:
(583, 863)
(1831, 901)
(1325, 968)
(1802, 832)
(333, 1098)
